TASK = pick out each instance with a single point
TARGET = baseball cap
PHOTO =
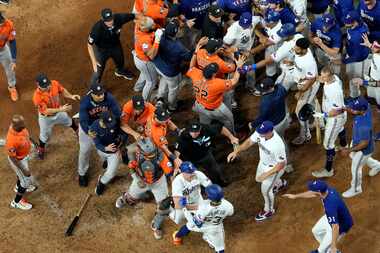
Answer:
(328, 21)
(42, 80)
(317, 186)
(138, 102)
(275, 1)
(213, 44)
(351, 17)
(265, 85)
(97, 89)
(272, 16)
(286, 30)
(171, 28)
(210, 70)
(162, 114)
(265, 127)
(357, 104)
(245, 20)
(187, 167)
(107, 15)
(195, 127)
(108, 119)
(215, 11)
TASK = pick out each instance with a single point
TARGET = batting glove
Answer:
(182, 202)
(158, 34)
(320, 115)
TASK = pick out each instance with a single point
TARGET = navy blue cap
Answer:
(195, 127)
(108, 119)
(162, 114)
(213, 45)
(265, 127)
(210, 70)
(138, 102)
(265, 85)
(317, 186)
(245, 20)
(97, 89)
(357, 104)
(43, 81)
(171, 29)
(287, 30)
(351, 17)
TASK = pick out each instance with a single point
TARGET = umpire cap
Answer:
(107, 15)
(43, 81)
(171, 29)
(216, 11)
(195, 127)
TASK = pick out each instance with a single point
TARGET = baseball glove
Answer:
(166, 204)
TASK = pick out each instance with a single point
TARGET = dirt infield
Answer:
(51, 37)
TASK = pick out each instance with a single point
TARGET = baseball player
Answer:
(235, 7)
(149, 172)
(195, 9)
(104, 43)
(241, 36)
(146, 49)
(209, 92)
(362, 145)
(186, 187)
(213, 25)
(91, 106)
(341, 9)
(5, 2)
(208, 219)
(168, 61)
(335, 223)
(271, 165)
(8, 52)
(370, 13)
(47, 98)
(317, 7)
(18, 148)
(108, 139)
(155, 9)
(286, 14)
(325, 34)
(335, 118)
(356, 53)
(372, 82)
(299, 9)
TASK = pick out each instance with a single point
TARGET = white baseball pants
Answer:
(24, 180)
(147, 79)
(6, 61)
(113, 162)
(169, 88)
(356, 69)
(159, 189)
(322, 232)
(47, 123)
(86, 144)
(333, 126)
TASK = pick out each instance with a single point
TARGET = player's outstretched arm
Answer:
(304, 195)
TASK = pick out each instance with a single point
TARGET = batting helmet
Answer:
(187, 167)
(306, 112)
(214, 192)
(146, 146)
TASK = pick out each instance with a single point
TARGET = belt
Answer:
(208, 109)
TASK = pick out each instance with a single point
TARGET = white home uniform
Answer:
(212, 218)
(272, 152)
(191, 190)
(271, 69)
(333, 99)
(373, 90)
(305, 67)
(299, 9)
(243, 40)
(285, 52)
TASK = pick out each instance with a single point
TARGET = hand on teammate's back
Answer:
(66, 108)
(111, 148)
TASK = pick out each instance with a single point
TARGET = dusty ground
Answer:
(52, 38)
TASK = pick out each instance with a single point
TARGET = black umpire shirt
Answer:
(105, 37)
(196, 149)
(211, 29)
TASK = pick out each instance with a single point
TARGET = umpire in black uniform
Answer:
(194, 145)
(104, 43)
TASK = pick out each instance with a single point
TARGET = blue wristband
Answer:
(325, 114)
(254, 67)
(365, 83)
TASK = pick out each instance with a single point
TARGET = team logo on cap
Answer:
(44, 80)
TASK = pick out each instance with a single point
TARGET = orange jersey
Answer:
(141, 119)
(156, 131)
(143, 43)
(153, 8)
(18, 143)
(7, 32)
(204, 59)
(209, 93)
(49, 98)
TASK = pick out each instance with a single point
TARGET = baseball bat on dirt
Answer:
(74, 222)
(317, 126)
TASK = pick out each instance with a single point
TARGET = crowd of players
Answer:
(217, 46)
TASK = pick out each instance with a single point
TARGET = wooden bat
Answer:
(74, 222)
(317, 126)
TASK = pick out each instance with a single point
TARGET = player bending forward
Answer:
(186, 190)
(208, 219)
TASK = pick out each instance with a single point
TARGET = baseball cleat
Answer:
(5, 2)
(373, 172)
(277, 189)
(300, 140)
(176, 240)
(323, 173)
(124, 73)
(314, 251)
(83, 180)
(31, 188)
(121, 201)
(263, 215)
(157, 233)
(351, 193)
(13, 93)
(41, 153)
(23, 205)
(289, 168)
(100, 187)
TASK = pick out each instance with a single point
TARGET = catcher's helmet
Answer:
(146, 146)
(306, 112)
(214, 192)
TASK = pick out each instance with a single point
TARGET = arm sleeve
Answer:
(186, 54)
(177, 188)
(180, 145)
(124, 17)
(230, 37)
(115, 107)
(93, 36)
(281, 53)
(84, 118)
(254, 137)
(13, 48)
(204, 180)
